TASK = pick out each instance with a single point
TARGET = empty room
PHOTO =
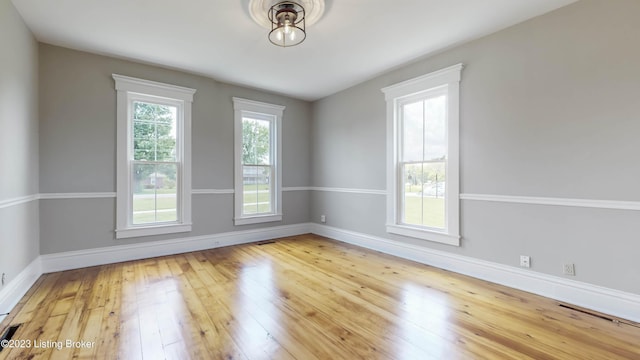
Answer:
(319, 179)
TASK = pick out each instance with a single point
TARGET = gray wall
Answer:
(549, 108)
(77, 149)
(18, 142)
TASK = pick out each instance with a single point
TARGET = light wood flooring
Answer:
(303, 297)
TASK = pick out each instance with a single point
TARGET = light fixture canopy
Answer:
(287, 20)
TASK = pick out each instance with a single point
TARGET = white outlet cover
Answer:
(569, 269)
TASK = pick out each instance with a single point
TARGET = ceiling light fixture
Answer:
(269, 13)
(287, 20)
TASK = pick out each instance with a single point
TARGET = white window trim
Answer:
(128, 88)
(241, 105)
(449, 77)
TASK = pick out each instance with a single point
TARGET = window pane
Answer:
(165, 142)
(249, 189)
(155, 193)
(145, 111)
(264, 190)
(256, 142)
(144, 141)
(412, 132)
(435, 128)
(154, 132)
(423, 194)
(256, 189)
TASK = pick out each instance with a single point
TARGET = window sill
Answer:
(439, 237)
(257, 219)
(152, 230)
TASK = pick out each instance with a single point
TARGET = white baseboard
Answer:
(114, 254)
(609, 301)
(11, 293)
(618, 303)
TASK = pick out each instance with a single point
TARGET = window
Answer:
(154, 158)
(258, 192)
(423, 164)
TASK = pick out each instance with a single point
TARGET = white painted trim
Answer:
(96, 195)
(334, 189)
(103, 195)
(614, 302)
(273, 114)
(349, 191)
(441, 82)
(297, 188)
(419, 84)
(128, 90)
(258, 219)
(141, 86)
(90, 195)
(212, 191)
(609, 301)
(114, 254)
(424, 234)
(18, 200)
(257, 106)
(589, 203)
(13, 291)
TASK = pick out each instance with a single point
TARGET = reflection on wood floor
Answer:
(303, 297)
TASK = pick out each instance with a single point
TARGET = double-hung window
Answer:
(153, 158)
(258, 190)
(423, 148)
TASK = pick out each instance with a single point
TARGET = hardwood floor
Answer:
(303, 297)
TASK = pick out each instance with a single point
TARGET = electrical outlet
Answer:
(323, 219)
(569, 269)
(525, 261)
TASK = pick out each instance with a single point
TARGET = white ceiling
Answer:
(355, 40)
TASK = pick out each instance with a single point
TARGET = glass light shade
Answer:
(287, 24)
